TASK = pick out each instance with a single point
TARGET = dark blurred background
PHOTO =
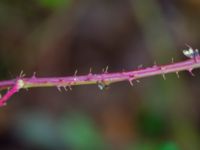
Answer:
(56, 37)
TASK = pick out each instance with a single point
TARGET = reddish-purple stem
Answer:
(101, 79)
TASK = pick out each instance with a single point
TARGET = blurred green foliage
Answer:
(154, 145)
(169, 146)
(54, 3)
(76, 131)
(37, 129)
(151, 124)
(80, 132)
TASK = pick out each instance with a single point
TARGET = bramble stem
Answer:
(100, 79)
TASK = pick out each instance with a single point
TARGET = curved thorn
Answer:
(154, 63)
(138, 81)
(22, 74)
(163, 72)
(65, 88)
(59, 88)
(164, 77)
(131, 82)
(191, 73)
(75, 73)
(34, 75)
(140, 66)
(172, 60)
(70, 87)
(177, 74)
(106, 70)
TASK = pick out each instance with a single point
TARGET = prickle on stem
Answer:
(191, 73)
(177, 74)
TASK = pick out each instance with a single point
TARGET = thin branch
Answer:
(17, 86)
(102, 80)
